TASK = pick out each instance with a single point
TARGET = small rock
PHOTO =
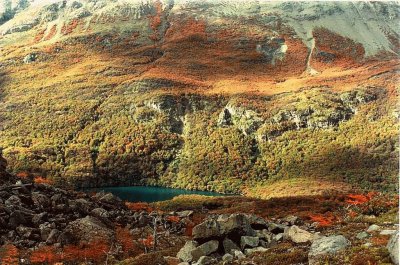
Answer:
(373, 228)
(238, 254)
(227, 257)
(184, 214)
(362, 235)
(250, 251)
(279, 237)
(249, 241)
(13, 201)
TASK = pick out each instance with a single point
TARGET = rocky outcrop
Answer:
(247, 121)
(235, 236)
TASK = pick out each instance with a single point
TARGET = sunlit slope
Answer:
(215, 96)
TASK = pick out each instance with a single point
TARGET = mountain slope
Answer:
(201, 95)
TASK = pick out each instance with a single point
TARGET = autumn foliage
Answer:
(45, 255)
(323, 220)
(9, 255)
(139, 206)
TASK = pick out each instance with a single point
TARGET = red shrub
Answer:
(9, 255)
(43, 255)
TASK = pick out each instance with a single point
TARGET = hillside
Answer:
(235, 97)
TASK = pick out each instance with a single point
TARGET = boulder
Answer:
(362, 235)
(40, 200)
(326, 245)
(13, 201)
(227, 258)
(393, 248)
(185, 253)
(207, 229)
(205, 249)
(373, 228)
(90, 228)
(298, 235)
(249, 241)
(238, 254)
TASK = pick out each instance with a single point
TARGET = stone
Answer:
(204, 260)
(291, 220)
(298, 235)
(249, 241)
(373, 228)
(229, 245)
(185, 253)
(326, 245)
(40, 200)
(100, 212)
(16, 218)
(184, 263)
(53, 236)
(279, 237)
(250, 251)
(89, 228)
(184, 214)
(227, 257)
(393, 248)
(13, 201)
(362, 235)
(205, 249)
(239, 254)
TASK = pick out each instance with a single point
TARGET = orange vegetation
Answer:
(124, 238)
(42, 180)
(95, 251)
(46, 254)
(139, 206)
(9, 255)
(323, 220)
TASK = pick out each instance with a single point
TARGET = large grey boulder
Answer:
(238, 224)
(393, 248)
(205, 249)
(90, 228)
(204, 260)
(326, 245)
(185, 253)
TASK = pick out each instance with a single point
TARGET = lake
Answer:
(149, 194)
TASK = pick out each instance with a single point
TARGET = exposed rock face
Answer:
(393, 247)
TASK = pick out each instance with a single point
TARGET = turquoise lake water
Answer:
(149, 194)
